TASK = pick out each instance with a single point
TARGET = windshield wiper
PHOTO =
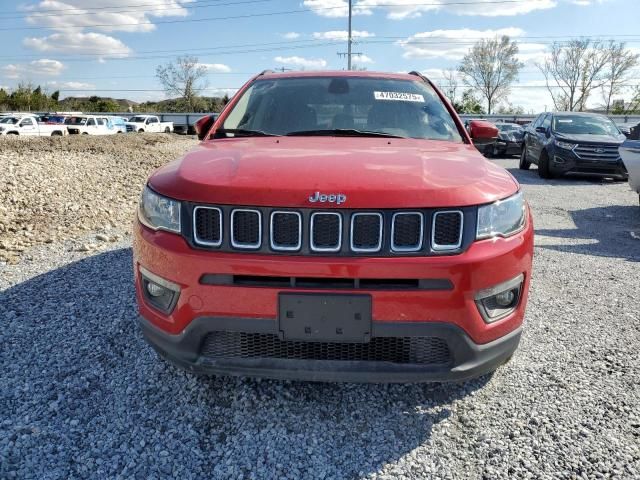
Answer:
(341, 131)
(242, 132)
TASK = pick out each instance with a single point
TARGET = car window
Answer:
(100, 121)
(584, 124)
(91, 122)
(539, 120)
(27, 122)
(406, 108)
(547, 121)
(9, 120)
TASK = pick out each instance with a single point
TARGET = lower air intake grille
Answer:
(405, 350)
(447, 230)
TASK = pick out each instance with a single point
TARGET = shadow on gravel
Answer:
(531, 177)
(612, 228)
(84, 396)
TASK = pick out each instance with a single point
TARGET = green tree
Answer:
(491, 67)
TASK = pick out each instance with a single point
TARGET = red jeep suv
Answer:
(334, 226)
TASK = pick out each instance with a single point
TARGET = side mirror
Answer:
(204, 124)
(541, 130)
(482, 131)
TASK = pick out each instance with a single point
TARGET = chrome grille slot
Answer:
(207, 226)
(246, 228)
(326, 231)
(446, 232)
(286, 231)
(407, 231)
(366, 232)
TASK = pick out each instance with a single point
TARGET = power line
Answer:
(263, 14)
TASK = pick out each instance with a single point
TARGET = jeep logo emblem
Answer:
(336, 198)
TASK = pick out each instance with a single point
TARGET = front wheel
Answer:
(141, 131)
(543, 166)
(167, 130)
(524, 163)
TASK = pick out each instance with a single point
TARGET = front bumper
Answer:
(450, 313)
(468, 359)
(564, 161)
(505, 147)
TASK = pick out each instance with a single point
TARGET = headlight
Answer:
(565, 145)
(158, 212)
(501, 218)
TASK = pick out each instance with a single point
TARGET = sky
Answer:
(112, 47)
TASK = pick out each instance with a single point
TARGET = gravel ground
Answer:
(83, 396)
(55, 188)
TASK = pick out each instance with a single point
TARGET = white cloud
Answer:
(342, 34)
(302, 62)
(360, 59)
(401, 9)
(449, 44)
(215, 67)
(70, 85)
(131, 15)
(36, 68)
(291, 35)
(77, 42)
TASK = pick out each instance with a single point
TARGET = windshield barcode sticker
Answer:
(398, 96)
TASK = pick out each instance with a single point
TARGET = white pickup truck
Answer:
(89, 125)
(148, 123)
(28, 125)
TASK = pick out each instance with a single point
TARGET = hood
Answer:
(370, 172)
(590, 138)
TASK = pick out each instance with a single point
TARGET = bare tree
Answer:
(183, 78)
(491, 66)
(449, 84)
(573, 70)
(621, 62)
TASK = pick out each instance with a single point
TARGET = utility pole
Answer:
(349, 54)
(349, 40)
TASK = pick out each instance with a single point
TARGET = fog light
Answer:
(158, 292)
(497, 302)
(155, 290)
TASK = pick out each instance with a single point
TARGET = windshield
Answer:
(580, 124)
(342, 105)
(138, 119)
(10, 120)
(76, 121)
(507, 128)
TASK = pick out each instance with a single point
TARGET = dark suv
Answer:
(575, 143)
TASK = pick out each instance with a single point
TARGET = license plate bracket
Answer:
(324, 318)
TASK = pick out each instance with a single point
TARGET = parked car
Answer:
(630, 130)
(334, 226)
(89, 125)
(573, 143)
(119, 124)
(28, 125)
(509, 142)
(485, 136)
(630, 153)
(148, 123)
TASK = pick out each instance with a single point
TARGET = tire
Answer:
(56, 134)
(543, 166)
(85, 133)
(167, 130)
(12, 133)
(141, 131)
(524, 163)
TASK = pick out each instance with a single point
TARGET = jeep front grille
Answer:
(336, 232)
(400, 350)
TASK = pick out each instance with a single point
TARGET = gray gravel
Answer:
(83, 396)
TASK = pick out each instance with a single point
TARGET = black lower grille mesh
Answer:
(326, 230)
(246, 227)
(407, 230)
(207, 225)
(447, 227)
(405, 350)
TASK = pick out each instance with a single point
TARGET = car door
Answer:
(28, 127)
(92, 127)
(529, 134)
(538, 138)
(153, 124)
